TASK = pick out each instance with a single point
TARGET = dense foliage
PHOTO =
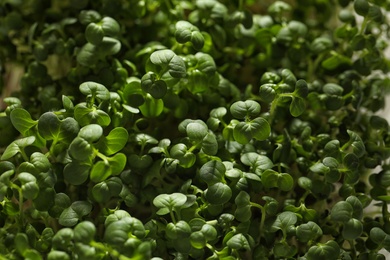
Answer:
(203, 129)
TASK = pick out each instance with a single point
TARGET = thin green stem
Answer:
(262, 220)
(353, 249)
(172, 216)
(364, 25)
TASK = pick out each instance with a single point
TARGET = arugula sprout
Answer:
(202, 129)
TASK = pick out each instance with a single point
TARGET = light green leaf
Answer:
(22, 121)
(170, 201)
(91, 133)
(243, 109)
(95, 89)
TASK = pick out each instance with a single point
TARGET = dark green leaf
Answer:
(342, 211)
(238, 242)
(76, 172)
(284, 220)
(323, 251)
(361, 7)
(155, 87)
(308, 231)
(218, 193)
(352, 229)
(212, 172)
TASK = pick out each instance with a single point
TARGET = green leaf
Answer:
(170, 201)
(352, 229)
(100, 171)
(140, 162)
(117, 163)
(267, 92)
(91, 133)
(22, 121)
(257, 162)
(94, 33)
(238, 242)
(196, 131)
(329, 250)
(181, 153)
(380, 237)
(49, 126)
(45, 199)
(90, 115)
(155, 87)
(243, 211)
(356, 205)
(178, 230)
(210, 144)
(218, 193)
(169, 61)
(273, 179)
(21, 243)
(90, 54)
(81, 150)
(84, 232)
(375, 13)
(205, 63)
(29, 186)
(71, 215)
(321, 44)
(186, 32)
(103, 191)
(335, 61)
(198, 240)
(94, 89)
(212, 172)
(16, 146)
(297, 106)
(76, 172)
(69, 129)
(309, 231)
(63, 239)
(361, 7)
(284, 220)
(209, 232)
(243, 109)
(115, 141)
(257, 128)
(89, 16)
(110, 26)
(332, 89)
(152, 107)
(216, 117)
(342, 211)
